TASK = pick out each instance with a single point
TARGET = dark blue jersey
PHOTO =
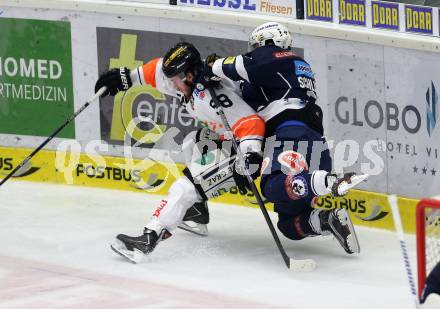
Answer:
(278, 84)
(432, 283)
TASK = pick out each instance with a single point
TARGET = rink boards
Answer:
(153, 177)
(378, 91)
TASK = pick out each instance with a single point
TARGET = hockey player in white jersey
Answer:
(177, 74)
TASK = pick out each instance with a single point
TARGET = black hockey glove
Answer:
(211, 58)
(204, 134)
(209, 78)
(253, 162)
(117, 79)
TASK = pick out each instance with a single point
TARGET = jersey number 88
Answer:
(223, 100)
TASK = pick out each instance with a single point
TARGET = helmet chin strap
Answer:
(185, 95)
(183, 99)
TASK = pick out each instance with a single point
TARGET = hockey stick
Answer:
(293, 264)
(392, 199)
(33, 153)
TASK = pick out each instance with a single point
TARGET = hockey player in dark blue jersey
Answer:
(431, 293)
(297, 165)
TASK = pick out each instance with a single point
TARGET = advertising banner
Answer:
(321, 10)
(35, 77)
(372, 209)
(144, 176)
(385, 15)
(352, 12)
(380, 103)
(40, 168)
(382, 15)
(158, 120)
(266, 7)
(285, 8)
(357, 112)
(385, 104)
(248, 6)
(413, 136)
(418, 19)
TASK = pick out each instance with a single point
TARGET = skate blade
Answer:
(302, 265)
(135, 256)
(355, 180)
(199, 229)
(352, 239)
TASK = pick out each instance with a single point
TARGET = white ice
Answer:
(55, 253)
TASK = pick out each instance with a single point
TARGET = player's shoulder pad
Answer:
(232, 67)
(232, 60)
(229, 60)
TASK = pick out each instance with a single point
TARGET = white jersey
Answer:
(246, 125)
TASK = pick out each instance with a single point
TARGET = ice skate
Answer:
(338, 222)
(135, 248)
(196, 219)
(339, 186)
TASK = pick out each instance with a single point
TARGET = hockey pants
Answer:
(296, 161)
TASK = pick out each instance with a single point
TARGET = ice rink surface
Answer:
(55, 253)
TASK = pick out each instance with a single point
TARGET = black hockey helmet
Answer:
(181, 58)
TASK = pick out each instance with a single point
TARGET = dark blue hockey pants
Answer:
(290, 157)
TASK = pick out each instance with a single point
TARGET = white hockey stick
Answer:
(292, 264)
(399, 230)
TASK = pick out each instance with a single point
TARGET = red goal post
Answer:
(428, 238)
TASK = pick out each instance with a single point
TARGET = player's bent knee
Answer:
(287, 227)
(287, 188)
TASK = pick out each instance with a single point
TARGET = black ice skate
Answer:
(339, 186)
(338, 222)
(196, 219)
(134, 248)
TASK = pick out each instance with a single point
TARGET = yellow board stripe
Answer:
(366, 208)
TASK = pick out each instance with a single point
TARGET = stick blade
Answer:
(355, 180)
(198, 229)
(359, 178)
(302, 265)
